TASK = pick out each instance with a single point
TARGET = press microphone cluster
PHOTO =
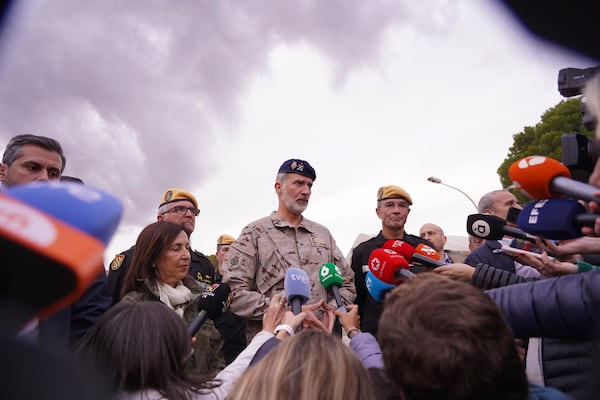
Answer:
(389, 266)
(422, 254)
(213, 303)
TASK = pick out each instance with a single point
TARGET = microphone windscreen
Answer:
(215, 300)
(401, 247)
(532, 175)
(52, 241)
(84, 207)
(427, 251)
(384, 264)
(377, 288)
(486, 226)
(330, 275)
(296, 284)
(552, 218)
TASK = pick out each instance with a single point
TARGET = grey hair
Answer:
(281, 176)
(14, 147)
(487, 200)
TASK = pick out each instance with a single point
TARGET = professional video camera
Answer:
(579, 152)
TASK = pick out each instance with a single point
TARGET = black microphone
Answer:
(513, 215)
(557, 218)
(491, 227)
(213, 303)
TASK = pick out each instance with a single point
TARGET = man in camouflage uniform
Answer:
(179, 207)
(257, 262)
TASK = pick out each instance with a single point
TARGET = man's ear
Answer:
(3, 169)
(277, 187)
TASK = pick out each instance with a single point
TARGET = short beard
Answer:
(291, 204)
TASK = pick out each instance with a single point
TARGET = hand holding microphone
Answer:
(213, 303)
(350, 319)
(279, 319)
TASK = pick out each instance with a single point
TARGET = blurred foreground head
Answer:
(443, 339)
(310, 365)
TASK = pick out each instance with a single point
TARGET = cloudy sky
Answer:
(212, 96)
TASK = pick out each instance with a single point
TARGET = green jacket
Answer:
(207, 357)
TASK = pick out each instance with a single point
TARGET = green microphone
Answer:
(331, 279)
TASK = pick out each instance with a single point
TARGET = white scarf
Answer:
(174, 297)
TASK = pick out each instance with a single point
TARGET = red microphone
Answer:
(389, 266)
(542, 177)
(423, 254)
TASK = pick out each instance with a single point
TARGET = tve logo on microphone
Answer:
(299, 277)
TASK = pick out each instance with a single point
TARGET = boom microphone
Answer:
(542, 177)
(377, 288)
(297, 288)
(557, 219)
(423, 254)
(491, 227)
(331, 279)
(389, 266)
(213, 303)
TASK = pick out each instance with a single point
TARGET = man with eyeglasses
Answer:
(179, 207)
(393, 207)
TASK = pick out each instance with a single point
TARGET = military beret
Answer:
(225, 239)
(295, 166)
(172, 195)
(393, 192)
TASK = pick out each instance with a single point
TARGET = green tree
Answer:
(544, 139)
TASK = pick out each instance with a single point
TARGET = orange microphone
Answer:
(541, 177)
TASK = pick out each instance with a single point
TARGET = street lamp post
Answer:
(433, 179)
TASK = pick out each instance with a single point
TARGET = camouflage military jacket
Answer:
(257, 262)
(207, 357)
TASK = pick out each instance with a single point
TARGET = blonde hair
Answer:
(311, 365)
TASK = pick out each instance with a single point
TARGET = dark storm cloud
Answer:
(130, 88)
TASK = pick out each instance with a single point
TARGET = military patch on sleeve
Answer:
(117, 262)
(234, 260)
